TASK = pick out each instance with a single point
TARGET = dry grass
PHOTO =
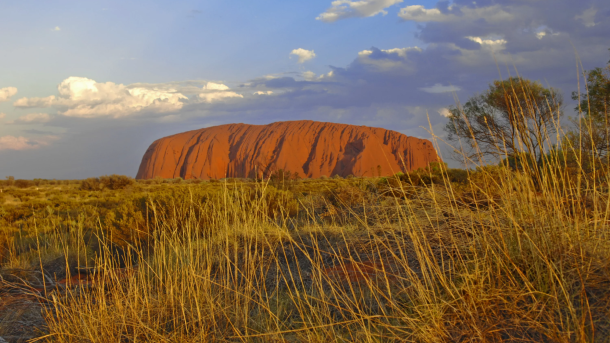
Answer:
(522, 263)
(507, 256)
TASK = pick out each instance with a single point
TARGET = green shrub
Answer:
(23, 183)
(115, 182)
(91, 184)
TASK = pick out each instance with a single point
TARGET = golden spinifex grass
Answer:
(518, 259)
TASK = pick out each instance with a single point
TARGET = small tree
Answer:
(592, 135)
(10, 180)
(512, 117)
(115, 181)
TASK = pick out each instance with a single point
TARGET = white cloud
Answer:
(56, 28)
(213, 92)
(2, 115)
(489, 45)
(540, 34)
(328, 75)
(587, 17)
(402, 52)
(86, 98)
(388, 62)
(487, 41)
(421, 14)
(270, 77)
(23, 143)
(7, 93)
(439, 88)
(341, 9)
(215, 86)
(263, 93)
(32, 118)
(303, 55)
(444, 112)
(309, 75)
(213, 97)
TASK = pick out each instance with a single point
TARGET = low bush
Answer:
(91, 184)
(115, 182)
(23, 183)
(112, 182)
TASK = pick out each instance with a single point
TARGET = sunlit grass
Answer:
(502, 255)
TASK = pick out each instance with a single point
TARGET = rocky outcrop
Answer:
(310, 148)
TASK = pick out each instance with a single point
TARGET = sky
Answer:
(87, 86)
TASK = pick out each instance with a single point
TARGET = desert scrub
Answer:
(506, 254)
(427, 268)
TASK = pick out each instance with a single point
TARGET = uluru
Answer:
(311, 149)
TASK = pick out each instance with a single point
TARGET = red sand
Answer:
(310, 148)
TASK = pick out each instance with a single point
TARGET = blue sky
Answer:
(85, 87)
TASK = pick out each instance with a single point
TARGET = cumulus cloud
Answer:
(419, 13)
(23, 143)
(213, 92)
(388, 59)
(439, 88)
(489, 44)
(212, 86)
(492, 42)
(444, 112)
(86, 98)
(32, 118)
(303, 55)
(402, 52)
(341, 9)
(263, 92)
(218, 96)
(309, 75)
(6, 93)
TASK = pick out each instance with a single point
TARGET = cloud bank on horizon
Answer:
(458, 48)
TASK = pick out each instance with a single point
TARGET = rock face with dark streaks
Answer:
(310, 148)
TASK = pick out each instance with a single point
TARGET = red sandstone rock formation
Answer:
(309, 148)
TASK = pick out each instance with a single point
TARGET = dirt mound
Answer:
(309, 148)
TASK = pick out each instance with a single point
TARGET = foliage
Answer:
(595, 102)
(113, 182)
(92, 184)
(590, 137)
(512, 116)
